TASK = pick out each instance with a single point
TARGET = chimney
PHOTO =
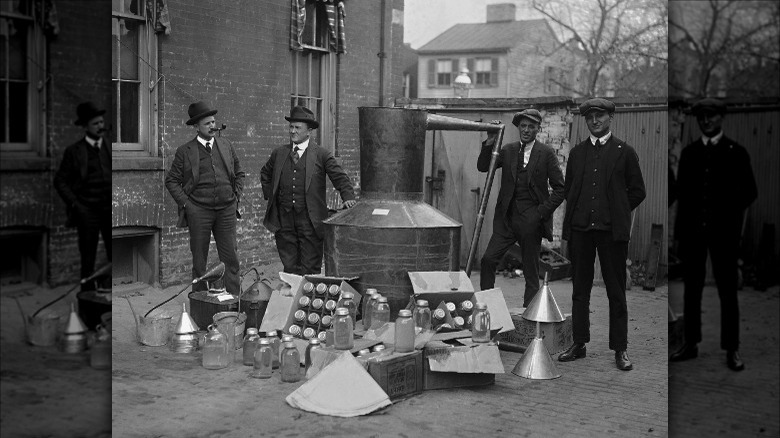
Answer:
(500, 12)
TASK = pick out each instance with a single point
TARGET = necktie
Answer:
(522, 155)
(295, 155)
(208, 146)
(97, 144)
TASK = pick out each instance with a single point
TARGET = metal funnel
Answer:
(543, 308)
(75, 324)
(536, 363)
(186, 324)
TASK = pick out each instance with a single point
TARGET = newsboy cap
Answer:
(596, 104)
(710, 105)
(530, 114)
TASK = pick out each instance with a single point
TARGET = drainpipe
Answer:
(382, 54)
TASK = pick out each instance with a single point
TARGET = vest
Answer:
(591, 211)
(292, 184)
(523, 198)
(214, 189)
(96, 190)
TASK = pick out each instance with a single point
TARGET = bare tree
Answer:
(612, 36)
(724, 47)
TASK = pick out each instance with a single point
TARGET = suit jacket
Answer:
(625, 187)
(733, 186)
(185, 171)
(542, 168)
(72, 174)
(319, 162)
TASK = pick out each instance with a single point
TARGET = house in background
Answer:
(504, 58)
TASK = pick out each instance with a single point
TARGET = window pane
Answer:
(303, 74)
(134, 7)
(115, 26)
(112, 114)
(311, 22)
(18, 49)
(129, 106)
(4, 42)
(316, 62)
(129, 49)
(17, 117)
(116, 5)
(444, 66)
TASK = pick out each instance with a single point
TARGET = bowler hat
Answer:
(709, 105)
(302, 114)
(199, 110)
(85, 112)
(530, 114)
(596, 104)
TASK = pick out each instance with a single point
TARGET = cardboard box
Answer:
(279, 314)
(398, 374)
(448, 366)
(557, 336)
(436, 287)
(322, 357)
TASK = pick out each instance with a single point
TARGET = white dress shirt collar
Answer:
(713, 140)
(302, 147)
(603, 140)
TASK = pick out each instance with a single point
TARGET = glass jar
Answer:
(422, 315)
(466, 307)
(308, 288)
(304, 301)
(216, 352)
(439, 317)
(458, 322)
(322, 336)
(309, 332)
(342, 330)
(326, 321)
(317, 303)
(250, 344)
(314, 344)
(334, 290)
(348, 300)
(404, 332)
(330, 305)
(100, 353)
(381, 313)
(275, 343)
(368, 302)
(291, 363)
(321, 289)
(263, 359)
(313, 318)
(450, 307)
(299, 316)
(295, 330)
(480, 329)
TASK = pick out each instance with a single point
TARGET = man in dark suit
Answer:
(207, 182)
(715, 185)
(603, 185)
(293, 183)
(525, 206)
(84, 183)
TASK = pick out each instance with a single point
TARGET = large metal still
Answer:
(391, 230)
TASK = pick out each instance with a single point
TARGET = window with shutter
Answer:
(431, 73)
(443, 72)
(483, 72)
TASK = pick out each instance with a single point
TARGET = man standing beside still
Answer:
(603, 185)
(207, 182)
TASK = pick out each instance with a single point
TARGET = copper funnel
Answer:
(75, 324)
(536, 363)
(186, 324)
(543, 308)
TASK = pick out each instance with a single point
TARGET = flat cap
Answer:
(596, 104)
(530, 114)
(710, 105)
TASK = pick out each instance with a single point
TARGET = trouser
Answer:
(222, 223)
(527, 231)
(723, 252)
(92, 223)
(612, 255)
(299, 246)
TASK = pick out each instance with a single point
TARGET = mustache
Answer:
(221, 128)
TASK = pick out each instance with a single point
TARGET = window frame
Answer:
(34, 146)
(147, 93)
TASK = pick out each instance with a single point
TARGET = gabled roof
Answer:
(486, 36)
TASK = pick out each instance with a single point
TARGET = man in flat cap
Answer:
(603, 185)
(715, 185)
(525, 205)
(84, 183)
(293, 181)
(207, 182)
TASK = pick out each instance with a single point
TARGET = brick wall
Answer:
(236, 57)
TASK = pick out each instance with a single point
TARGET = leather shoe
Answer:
(622, 361)
(734, 361)
(576, 351)
(687, 351)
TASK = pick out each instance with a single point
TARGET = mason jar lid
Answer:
(265, 341)
(405, 313)
(314, 341)
(371, 291)
(422, 303)
(289, 345)
(251, 331)
(382, 299)
(379, 347)
(341, 311)
(271, 333)
(347, 295)
(287, 338)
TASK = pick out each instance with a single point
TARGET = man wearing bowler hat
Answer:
(525, 205)
(84, 183)
(207, 182)
(715, 185)
(603, 185)
(293, 183)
